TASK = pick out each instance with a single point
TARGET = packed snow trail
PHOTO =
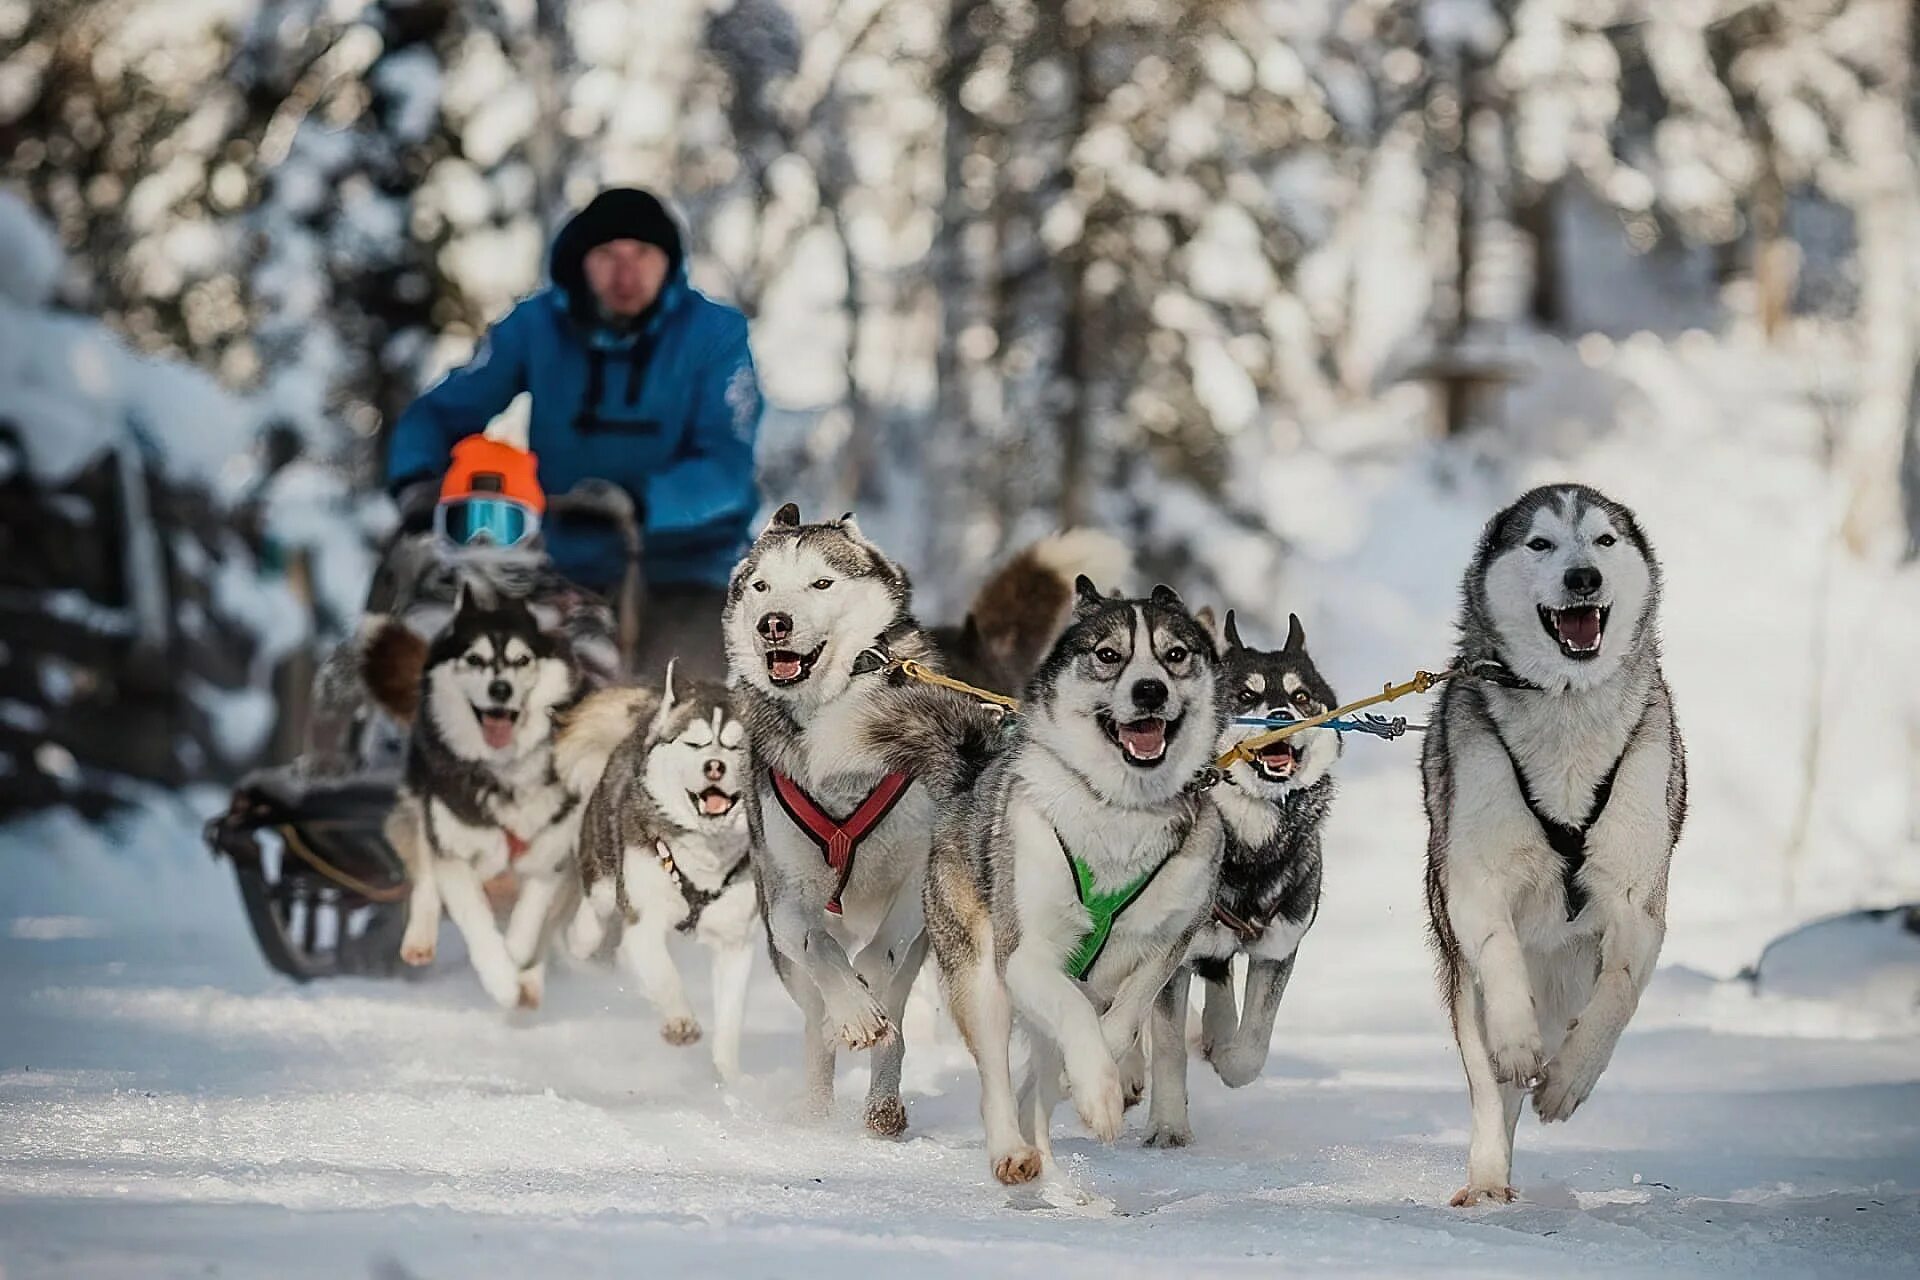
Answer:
(168, 1106)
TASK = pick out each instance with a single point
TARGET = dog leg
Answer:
(1167, 1124)
(527, 932)
(422, 937)
(1241, 1062)
(732, 968)
(856, 1017)
(1056, 1004)
(1133, 1074)
(467, 904)
(983, 1011)
(644, 954)
(1218, 1018)
(588, 932)
(886, 1114)
(1040, 1094)
(816, 1051)
(1629, 946)
(1496, 1107)
(1493, 957)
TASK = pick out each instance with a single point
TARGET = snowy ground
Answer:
(167, 1106)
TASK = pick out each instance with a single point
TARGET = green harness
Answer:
(1105, 908)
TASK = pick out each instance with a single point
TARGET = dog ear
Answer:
(666, 688)
(1204, 616)
(1086, 596)
(1233, 632)
(1296, 634)
(787, 517)
(1167, 598)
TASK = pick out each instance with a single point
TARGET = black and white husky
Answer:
(481, 794)
(1269, 889)
(1067, 882)
(1555, 790)
(663, 845)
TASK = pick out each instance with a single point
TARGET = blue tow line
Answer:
(1374, 726)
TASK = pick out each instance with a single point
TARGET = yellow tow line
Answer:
(1245, 750)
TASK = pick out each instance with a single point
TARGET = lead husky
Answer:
(1555, 788)
(1068, 881)
(1269, 890)
(663, 845)
(481, 795)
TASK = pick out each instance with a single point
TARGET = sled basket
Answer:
(324, 892)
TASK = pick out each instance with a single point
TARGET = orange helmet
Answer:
(490, 494)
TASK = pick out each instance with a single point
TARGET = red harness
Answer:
(516, 845)
(838, 840)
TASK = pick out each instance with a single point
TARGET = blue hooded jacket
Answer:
(668, 409)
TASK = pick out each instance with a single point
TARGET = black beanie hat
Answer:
(618, 213)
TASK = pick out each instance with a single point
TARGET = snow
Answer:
(172, 1106)
(30, 256)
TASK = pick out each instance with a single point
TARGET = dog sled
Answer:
(323, 888)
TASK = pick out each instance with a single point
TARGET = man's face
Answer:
(626, 276)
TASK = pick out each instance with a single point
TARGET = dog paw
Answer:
(1133, 1079)
(1237, 1067)
(1101, 1106)
(417, 954)
(1564, 1085)
(886, 1117)
(502, 987)
(680, 1031)
(863, 1026)
(1166, 1136)
(1518, 1062)
(1474, 1197)
(1018, 1167)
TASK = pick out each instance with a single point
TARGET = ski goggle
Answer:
(486, 520)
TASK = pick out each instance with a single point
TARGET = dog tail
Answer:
(393, 659)
(1022, 609)
(590, 733)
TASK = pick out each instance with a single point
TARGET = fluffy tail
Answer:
(1023, 608)
(594, 729)
(393, 658)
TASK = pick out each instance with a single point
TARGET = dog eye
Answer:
(760, 584)
(1301, 699)
(821, 584)
(1539, 544)
(1109, 656)
(1248, 697)
(1177, 654)
(475, 661)
(1605, 540)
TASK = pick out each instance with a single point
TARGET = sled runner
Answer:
(324, 890)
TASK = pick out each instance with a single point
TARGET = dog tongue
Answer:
(715, 803)
(1579, 627)
(1144, 739)
(496, 728)
(784, 667)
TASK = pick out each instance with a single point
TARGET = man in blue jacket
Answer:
(637, 378)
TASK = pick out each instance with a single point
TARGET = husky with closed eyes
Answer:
(481, 794)
(663, 845)
(1068, 880)
(1269, 889)
(1555, 789)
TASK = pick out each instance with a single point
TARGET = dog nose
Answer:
(1149, 695)
(716, 770)
(775, 627)
(1583, 580)
(500, 691)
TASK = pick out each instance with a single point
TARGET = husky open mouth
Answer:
(785, 667)
(713, 802)
(1143, 742)
(496, 725)
(1276, 762)
(1577, 629)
